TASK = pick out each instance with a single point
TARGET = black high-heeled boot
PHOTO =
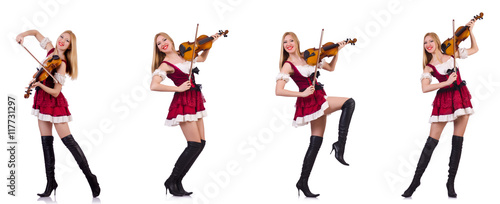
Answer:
(179, 182)
(425, 157)
(79, 156)
(345, 121)
(456, 152)
(48, 155)
(190, 152)
(309, 159)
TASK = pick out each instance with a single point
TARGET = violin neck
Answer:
(201, 42)
(329, 47)
(458, 33)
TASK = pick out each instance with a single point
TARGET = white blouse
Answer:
(304, 70)
(183, 66)
(443, 67)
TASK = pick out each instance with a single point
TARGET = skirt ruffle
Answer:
(451, 103)
(310, 108)
(47, 108)
(186, 106)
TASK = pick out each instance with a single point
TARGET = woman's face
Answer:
(430, 44)
(289, 44)
(163, 44)
(63, 41)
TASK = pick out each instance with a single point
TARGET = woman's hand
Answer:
(451, 78)
(184, 86)
(20, 38)
(471, 24)
(216, 36)
(308, 91)
(341, 44)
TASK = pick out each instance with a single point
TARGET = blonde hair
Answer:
(158, 55)
(284, 54)
(71, 56)
(427, 55)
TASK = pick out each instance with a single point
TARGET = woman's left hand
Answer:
(471, 24)
(341, 44)
(216, 36)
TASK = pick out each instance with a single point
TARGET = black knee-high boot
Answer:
(189, 153)
(309, 159)
(184, 172)
(425, 157)
(456, 152)
(345, 121)
(48, 155)
(79, 156)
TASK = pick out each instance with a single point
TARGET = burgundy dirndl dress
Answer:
(187, 105)
(49, 108)
(451, 101)
(313, 106)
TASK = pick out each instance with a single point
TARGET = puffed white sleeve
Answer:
(426, 75)
(322, 62)
(44, 42)
(283, 76)
(60, 78)
(161, 73)
(463, 53)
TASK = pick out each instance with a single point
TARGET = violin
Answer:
(327, 50)
(203, 42)
(44, 72)
(461, 34)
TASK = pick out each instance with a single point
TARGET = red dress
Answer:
(451, 101)
(311, 107)
(187, 105)
(49, 108)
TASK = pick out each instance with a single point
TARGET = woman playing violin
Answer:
(51, 108)
(451, 104)
(313, 105)
(186, 109)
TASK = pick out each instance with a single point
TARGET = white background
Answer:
(253, 154)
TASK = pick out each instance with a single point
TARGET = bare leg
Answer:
(437, 129)
(318, 126)
(62, 129)
(335, 104)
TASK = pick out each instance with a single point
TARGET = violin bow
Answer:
(192, 57)
(43, 67)
(454, 43)
(317, 60)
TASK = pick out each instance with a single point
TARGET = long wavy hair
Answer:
(284, 54)
(158, 55)
(71, 56)
(427, 55)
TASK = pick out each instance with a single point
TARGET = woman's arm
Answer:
(473, 44)
(57, 86)
(38, 36)
(428, 87)
(280, 85)
(203, 56)
(157, 79)
(331, 66)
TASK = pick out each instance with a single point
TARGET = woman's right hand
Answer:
(20, 38)
(451, 78)
(308, 91)
(184, 86)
